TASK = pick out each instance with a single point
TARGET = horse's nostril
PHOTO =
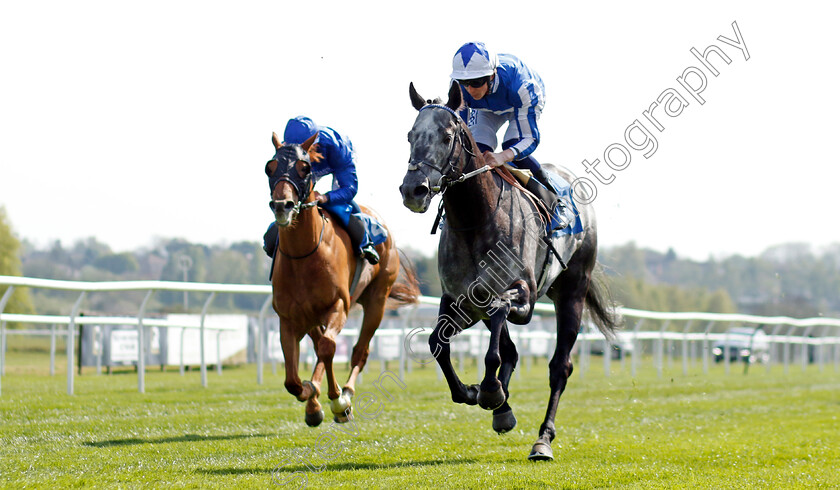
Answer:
(289, 205)
(420, 191)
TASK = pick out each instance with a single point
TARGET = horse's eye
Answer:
(302, 168)
(447, 138)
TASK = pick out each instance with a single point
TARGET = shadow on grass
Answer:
(335, 467)
(165, 440)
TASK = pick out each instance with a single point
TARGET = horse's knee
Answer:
(326, 348)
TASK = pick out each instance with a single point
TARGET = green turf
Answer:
(762, 430)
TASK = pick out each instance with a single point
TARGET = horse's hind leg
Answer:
(374, 310)
(503, 418)
(568, 305)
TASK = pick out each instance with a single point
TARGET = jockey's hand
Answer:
(498, 159)
(321, 198)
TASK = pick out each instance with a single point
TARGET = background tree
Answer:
(10, 265)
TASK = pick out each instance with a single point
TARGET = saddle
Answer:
(561, 215)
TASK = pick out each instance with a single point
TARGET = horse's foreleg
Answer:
(314, 413)
(448, 325)
(503, 418)
(491, 395)
(291, 355)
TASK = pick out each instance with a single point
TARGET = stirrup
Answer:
(370, 254)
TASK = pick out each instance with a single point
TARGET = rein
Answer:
(447, 181)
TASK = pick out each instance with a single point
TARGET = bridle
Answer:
(450, 173)
(306, 183)
(276, 177)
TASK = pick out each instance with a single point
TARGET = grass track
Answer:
(699, 431)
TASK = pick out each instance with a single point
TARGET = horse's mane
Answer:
(314, 155)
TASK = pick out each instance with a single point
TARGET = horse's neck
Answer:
(472, 202)
(304, 235)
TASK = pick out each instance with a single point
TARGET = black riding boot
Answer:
(546, 191)
(357, 232)
(548, 196)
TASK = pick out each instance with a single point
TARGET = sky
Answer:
(133, 122)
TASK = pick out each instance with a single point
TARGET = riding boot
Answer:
(358, 236)
(270, 240)
(546, 192)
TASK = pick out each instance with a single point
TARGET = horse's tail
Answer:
(601, 307)
(406, 290)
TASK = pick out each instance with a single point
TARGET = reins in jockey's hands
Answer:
(321, 198)
(498, 159)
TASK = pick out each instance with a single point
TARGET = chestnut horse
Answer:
(494, 264)
(314, 268)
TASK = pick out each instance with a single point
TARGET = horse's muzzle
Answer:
(284, 210)
(416, 196)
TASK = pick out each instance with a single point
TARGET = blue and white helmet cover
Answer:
(473, 60)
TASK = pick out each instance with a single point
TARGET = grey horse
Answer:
(494, 263)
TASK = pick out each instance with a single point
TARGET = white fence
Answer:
(687, 335)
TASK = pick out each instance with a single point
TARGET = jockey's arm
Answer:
(346, 185)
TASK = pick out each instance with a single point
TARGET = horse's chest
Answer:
(307, 300)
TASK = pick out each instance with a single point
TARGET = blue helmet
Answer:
(299, 129)
(473, 60)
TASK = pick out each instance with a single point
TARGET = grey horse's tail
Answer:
(601, 307)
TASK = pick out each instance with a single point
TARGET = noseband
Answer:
(450, 173)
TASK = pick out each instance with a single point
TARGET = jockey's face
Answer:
(478, 92)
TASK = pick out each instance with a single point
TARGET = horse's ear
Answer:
(306, 144)
(455, 98)
(417, 101)
(276, 141)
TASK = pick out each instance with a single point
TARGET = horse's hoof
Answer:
(341, 408)
(314, 419)
(344, 417)
(541, 452)
(504, 422)
(491, 400)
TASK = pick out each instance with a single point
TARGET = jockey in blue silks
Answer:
(339, 159)
(497, 90)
